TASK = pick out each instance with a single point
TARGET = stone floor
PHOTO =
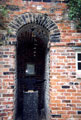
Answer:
(41, 116)
(38, 119)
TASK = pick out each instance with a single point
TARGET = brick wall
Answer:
(64, 87)
(7, 82)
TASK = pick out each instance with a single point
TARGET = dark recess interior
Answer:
(30, 50)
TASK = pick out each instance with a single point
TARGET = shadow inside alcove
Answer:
(31, 53)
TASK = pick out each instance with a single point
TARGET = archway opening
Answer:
(31, 61)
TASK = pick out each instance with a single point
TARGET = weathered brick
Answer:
(56, 116)
(66, 101)
(66, 87)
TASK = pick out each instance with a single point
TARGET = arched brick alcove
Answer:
(45, 22)
(40, 19)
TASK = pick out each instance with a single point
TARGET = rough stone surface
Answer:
(30, 106)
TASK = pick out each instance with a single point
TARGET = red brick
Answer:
(8, 95)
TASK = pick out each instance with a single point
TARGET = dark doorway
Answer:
(31, 51)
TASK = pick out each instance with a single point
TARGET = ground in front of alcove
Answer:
(38, 118)
(41, 117)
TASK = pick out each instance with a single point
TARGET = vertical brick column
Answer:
(46, 86)
(7, 82)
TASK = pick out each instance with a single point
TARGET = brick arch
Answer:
(40, 19)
